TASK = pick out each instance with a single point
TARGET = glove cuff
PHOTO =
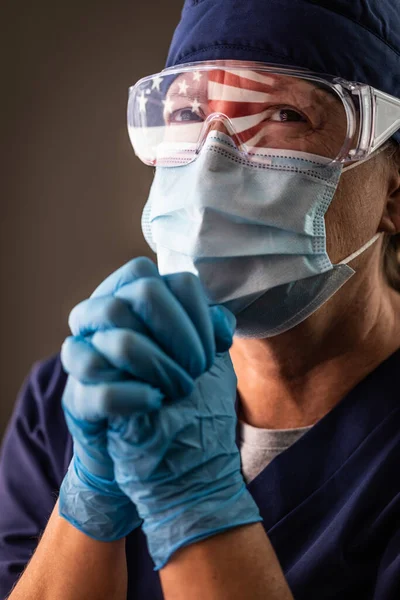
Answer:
(95, 506)
(199, 520)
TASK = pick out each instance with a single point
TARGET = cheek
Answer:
(355, 213)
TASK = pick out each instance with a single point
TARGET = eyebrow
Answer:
(200, 96)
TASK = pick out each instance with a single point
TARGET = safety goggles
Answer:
(262, 107)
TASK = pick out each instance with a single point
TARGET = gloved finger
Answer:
(92, 403)
(135, 354)
(81, 360)
(224, 323)
(168, 322)
(106, 312)
(90, 438)
(135, 269)
(187, 289)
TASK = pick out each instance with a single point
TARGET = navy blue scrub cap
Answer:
(358, 40)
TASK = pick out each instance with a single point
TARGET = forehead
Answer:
(204, 82)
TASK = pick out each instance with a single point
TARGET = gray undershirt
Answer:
(258, 447)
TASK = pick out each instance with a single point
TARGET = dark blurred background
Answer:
(73, 190)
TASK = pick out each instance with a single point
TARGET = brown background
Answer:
(73, 189)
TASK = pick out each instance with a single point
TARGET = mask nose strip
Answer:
(221, 123)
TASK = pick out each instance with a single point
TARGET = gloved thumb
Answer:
(224, 323)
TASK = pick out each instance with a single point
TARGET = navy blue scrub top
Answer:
(330, 503)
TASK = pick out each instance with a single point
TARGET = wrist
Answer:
(95, 506)
(204, 516)
(70, 565)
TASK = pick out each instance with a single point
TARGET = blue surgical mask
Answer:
(253, 232)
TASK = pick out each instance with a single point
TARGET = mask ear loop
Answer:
(364, 160)
(361, 250)
(376, 237)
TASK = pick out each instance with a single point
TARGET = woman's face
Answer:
(291, 113)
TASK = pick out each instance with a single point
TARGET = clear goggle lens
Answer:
(170, 116)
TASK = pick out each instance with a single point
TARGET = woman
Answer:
(276, 194)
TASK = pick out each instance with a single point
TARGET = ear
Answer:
(390, 222)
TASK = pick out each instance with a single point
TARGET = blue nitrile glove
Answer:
(90, 498)
(180, 464)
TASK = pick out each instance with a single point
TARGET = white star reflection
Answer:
(183, 87)
(195, 105)
(142, 102)
(156, 82)
(168, 104)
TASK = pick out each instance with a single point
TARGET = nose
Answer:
(221, 123)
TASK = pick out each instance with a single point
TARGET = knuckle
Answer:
(80, 359)
(185, 281)
(142, 264)
(105, 399)
(149, 289)
(124, 343)
(90, 366)
(75, 317)
(132, 271)
(78, 400)
(113, 310)
(188, 279)
(84, 368)
(66, 353)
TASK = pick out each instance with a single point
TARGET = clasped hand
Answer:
(150, 404)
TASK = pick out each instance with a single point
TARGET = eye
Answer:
(287, 115)
(185, 115)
